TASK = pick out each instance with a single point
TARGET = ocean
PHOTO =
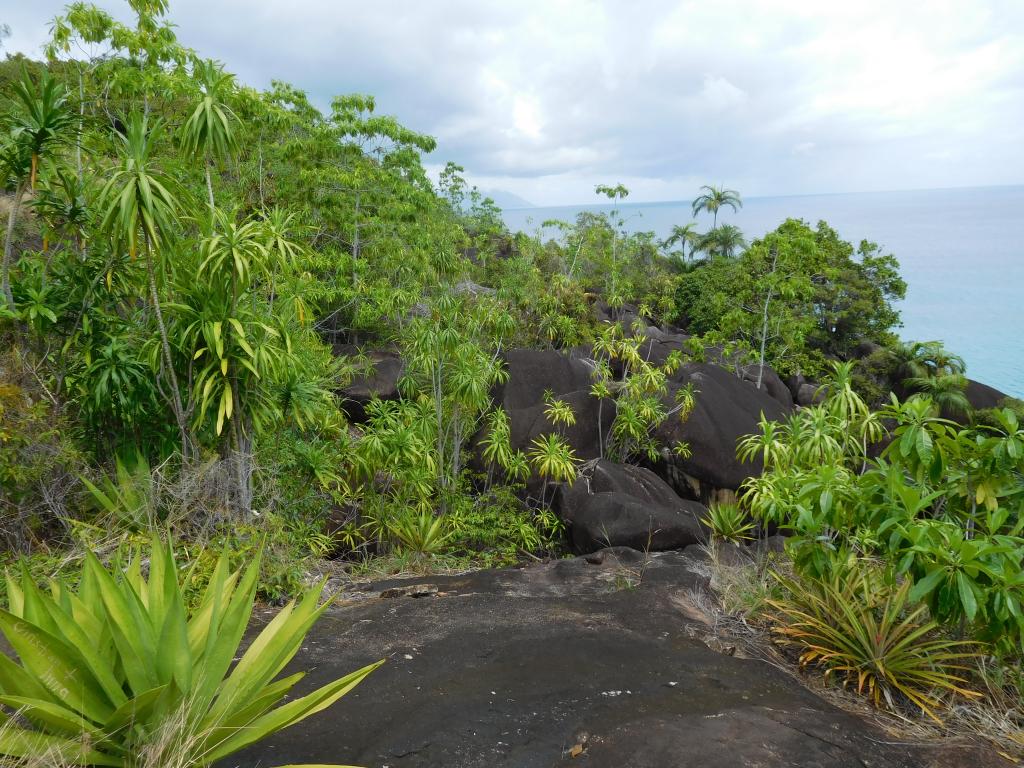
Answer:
(961, 252)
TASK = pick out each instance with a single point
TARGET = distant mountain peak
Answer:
(506, 200)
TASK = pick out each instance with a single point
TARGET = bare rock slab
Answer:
(583, 662)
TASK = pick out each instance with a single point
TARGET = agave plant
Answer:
(867, 634)
(117, 668)
(421, 535)
(729, 522)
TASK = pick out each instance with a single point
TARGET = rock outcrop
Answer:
(532, 372)
(727, 408)
(380, 381)
(770, 383)
(983, 396)
(604, 661)
(612, 505)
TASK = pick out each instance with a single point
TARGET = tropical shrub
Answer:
(497, 528)
(941, 504)
(729, 522)
(420, 534)
(865, 633)
(105, 668)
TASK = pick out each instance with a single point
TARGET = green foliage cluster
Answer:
(794, 298)
(936, 505)
(869, 635)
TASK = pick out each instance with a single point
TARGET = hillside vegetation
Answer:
(252, 325)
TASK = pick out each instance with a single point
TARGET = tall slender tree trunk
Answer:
(5, 270)
(209, 191)
(263, 203)
(242, 462)
(764, 320)
(179, 410)
(81, 126)
(355, 243)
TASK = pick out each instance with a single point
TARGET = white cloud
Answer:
(546, 98)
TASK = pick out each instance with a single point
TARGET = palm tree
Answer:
(682, 235)
(42, 115)
(942, 362)
(715, 198)
(918, 361)
(722, 241)
(207, 134)
(136, 199)
(947, 392)
(907, 360)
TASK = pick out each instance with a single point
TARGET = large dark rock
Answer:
(770, 383)
(613, 505)
(982, 396)
(727, 408)
(809, 394)
(624, 315)
(380, 381)
(804, 392)
(606, 654)
(531, 372)
(658, 344)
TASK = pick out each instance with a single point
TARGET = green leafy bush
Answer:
(497, 529)
(119, 669)
(420, 534)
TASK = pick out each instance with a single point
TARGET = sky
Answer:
(547, 98)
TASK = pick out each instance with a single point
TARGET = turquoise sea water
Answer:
(961, 252)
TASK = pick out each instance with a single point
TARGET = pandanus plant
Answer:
(140, 200)
(208, 134)
(40, 118)
(119, 672)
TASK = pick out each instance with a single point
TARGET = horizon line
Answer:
(768, 197)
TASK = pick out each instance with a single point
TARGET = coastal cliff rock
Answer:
(380, 381)
(532, 372)
(983, 396)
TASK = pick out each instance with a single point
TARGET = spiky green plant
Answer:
(729, 522)
(866, 634)
(421, 535)
(119, 667)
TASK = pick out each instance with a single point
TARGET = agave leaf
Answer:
(285, 716)
(16, 680)
(51, 714)
(134, 710)
(224, 639)
(89, 647)
(129, 625)
(266, 699)
(57, 665)
(19, 742)
(273, 648)
(15, 598)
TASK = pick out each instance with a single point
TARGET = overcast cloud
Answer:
(548, 98)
